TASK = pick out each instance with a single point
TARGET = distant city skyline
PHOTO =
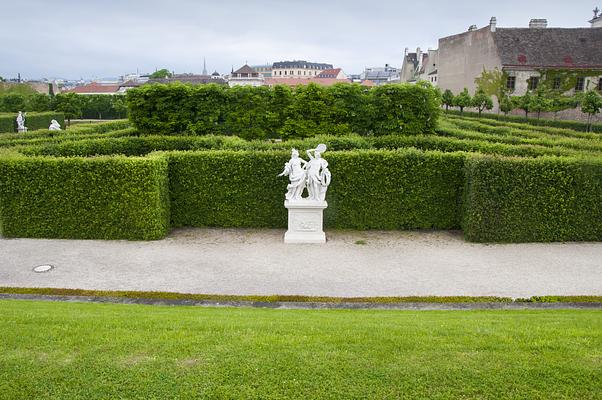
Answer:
(94, 39)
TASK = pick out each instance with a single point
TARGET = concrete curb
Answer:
(308, 305)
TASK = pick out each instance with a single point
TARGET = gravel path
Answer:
(229, 261)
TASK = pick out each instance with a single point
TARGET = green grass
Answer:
(106, 351)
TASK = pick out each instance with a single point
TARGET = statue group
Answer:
(313, 175)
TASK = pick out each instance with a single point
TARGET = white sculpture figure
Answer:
(318, 175)
(295, 171)
(305, 215)
(21, 122)
(54, 125)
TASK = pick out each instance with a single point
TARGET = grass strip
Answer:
(298, 299)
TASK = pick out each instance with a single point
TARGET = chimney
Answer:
(597, 20)
(493, 24)
(419, 57)
(538, 23)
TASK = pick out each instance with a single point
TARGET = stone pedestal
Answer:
(305, 221)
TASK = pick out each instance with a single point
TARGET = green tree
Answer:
(70, 104)
(2, 79)
(160, 74)
(507, 105)
(482, 101)
(40, 102)
(13, 102)
(463, 100)
(525, 103)
(541, 102)
(591, 104)
(448, 99)
(118, 106)
(492, 83)
(558, 102)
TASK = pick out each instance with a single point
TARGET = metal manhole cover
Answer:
(43, 268)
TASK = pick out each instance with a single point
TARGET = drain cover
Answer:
(43, 268)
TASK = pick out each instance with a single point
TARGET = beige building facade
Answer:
(298, 69)
(527, 56)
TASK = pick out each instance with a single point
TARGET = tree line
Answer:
(21, 97)
(532, 102)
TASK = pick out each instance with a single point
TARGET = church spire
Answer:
(204, 67)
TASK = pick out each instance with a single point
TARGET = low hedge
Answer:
(533, 200)
(574, 125)
(78, 198)
(33, 120)
(404, 189)
(121, 143)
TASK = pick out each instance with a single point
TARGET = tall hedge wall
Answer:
(33, 121)
(406, 189)
(533, 200)
(260, 112)
(77, 198)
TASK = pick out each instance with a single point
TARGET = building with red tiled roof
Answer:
(95, 88)
(336, 73)
(292, 82)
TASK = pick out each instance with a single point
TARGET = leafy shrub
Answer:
(533, 200)
(76, 198)
(33, 121)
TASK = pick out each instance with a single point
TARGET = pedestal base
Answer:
(305, 221)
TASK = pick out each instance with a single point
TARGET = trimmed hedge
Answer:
(305, 111)
(533, 200)
(136, 146)
(33, 120)
(405, 189)
(574, 125)
(77, 198)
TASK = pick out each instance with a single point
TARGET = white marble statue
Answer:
(305, 215)
(54, 125)
(296, 173)
(21, 122)
(313, 174)
(318, 175)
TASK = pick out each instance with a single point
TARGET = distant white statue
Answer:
(54, 125)
(318, 175)
(313, 174)
(21, 122)
(295, 171)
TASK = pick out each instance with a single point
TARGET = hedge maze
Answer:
(498, 181)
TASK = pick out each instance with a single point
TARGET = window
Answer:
(600, 84)
(298, 72)
(511, 82)
(580, 84)
(556, 84)
(533, 82)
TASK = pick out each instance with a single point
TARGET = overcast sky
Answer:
(94, 39)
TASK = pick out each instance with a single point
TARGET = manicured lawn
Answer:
(103, 351)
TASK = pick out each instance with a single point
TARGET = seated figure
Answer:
(54, 125)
